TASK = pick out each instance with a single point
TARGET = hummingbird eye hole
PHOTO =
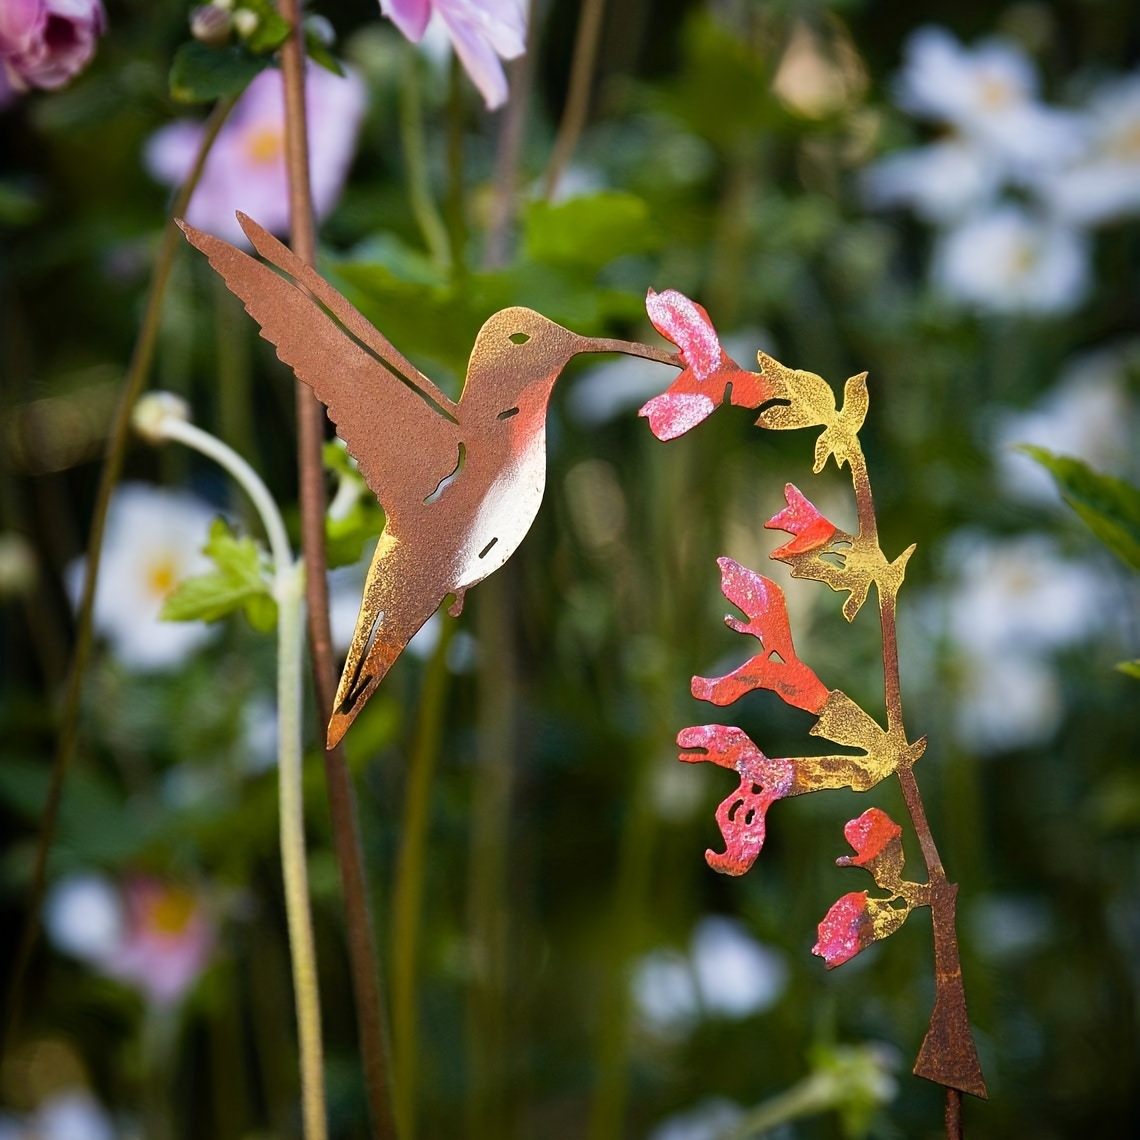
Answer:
(519, 338)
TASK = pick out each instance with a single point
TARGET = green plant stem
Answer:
(288, 589)
(133, 382)
(408, 898)
(363, 959)
(415, 164)
(578, 96)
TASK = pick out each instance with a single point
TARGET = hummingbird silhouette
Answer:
(460, 481)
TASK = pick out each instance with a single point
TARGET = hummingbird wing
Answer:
(402, 430)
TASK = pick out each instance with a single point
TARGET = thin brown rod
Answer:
(133, 382)
(578, 96)
(363, 958)
(954, 1123)
(521, 74)
(868, 528)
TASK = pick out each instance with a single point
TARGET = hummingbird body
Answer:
(460, 481)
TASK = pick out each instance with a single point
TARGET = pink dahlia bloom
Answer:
(246, 166)
(45, 43)
(483, 32)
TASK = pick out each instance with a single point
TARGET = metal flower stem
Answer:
(288, 589)
(363, 959)
(948, 1056)
(135, 379)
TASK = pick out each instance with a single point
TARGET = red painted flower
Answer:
(846, 929)
(740, 816)
(777, 668)
(870, 835)
(708, 374)
(801, 519)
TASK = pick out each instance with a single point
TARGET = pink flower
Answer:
(846, 929)
(777, 667)
(709, 373)
(151, 934)
(741, 816)
(483, 31)
(801, 519)
(870, 835)
(246, 167)
(167, 942)
(45, 43)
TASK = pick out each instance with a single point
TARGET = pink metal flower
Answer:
(246, 166)
(777, 668)
(846, 929)
(709, 371)
(483, 32)
(741, 816)
(46, 43)
(871, 834)
(800, 519)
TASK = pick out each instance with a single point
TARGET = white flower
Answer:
(726, 974)
(153, 540)
(1017, 602)
(70, 1114)
(988, 94)
(941, 182)
(1019, 594)
(84, 917)
(1008, 261)
(709, 1120)
(1103, 183)
(664, 991)
(1088, 415)
(736, 975)
(1005, 699)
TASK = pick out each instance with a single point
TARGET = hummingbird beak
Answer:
(629, 348)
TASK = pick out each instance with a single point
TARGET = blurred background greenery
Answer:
(581, 971)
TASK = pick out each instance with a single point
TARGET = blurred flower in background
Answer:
(246, 166)
(1016, 603)
(46, 43)
(153, 540)
(155, 936)
(71, 1114)
(1006, 260)
(1017, 182)
(726, 974)
(482, 32)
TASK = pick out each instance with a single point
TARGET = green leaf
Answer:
(239, 582)
(1132, 668)
(319, 53)
(201, 74)
(1110, 507)
(588, 232)
(271, 31)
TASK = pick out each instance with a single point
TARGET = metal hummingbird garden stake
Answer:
(818, 550)
(461, 482)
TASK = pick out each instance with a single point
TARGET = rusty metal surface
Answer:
(460, 481)
(818, 550)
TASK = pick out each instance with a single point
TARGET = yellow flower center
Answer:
(1125, 146)
(171, 912)
(996, 93)
(265, 145)
(161, 576)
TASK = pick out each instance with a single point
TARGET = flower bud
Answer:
(246, 21)
(154, 411)
(211, 24)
